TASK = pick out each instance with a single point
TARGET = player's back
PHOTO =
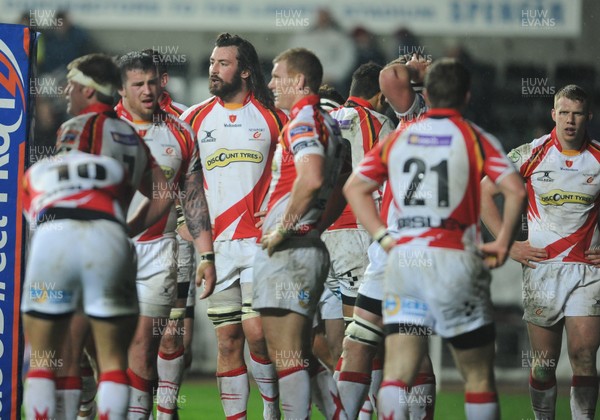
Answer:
(435, 167)
(76, 185)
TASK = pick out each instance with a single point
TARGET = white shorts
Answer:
(234, 260)
(554, 290)
(186, 271)
(292, 278)
(348, 252)
(372, 285)
(435, 289)
(329, 307)
(157, 276)
(70, 260)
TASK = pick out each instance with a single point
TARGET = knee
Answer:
(170, 343)
(230, 345)
(583, 358)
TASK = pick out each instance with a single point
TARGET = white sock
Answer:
(324, 383)
(68, 393)
(294, 393)
(366, 411)
(376, 378)
(482, 406)
(543, 398)
(584, 395)
(422, 397)
(140, 397)
(234, 390)
(113, 395)
(88, 388)
(265, 376)
(40, 394)
(391, 400)
(170, 372)
(353, 388)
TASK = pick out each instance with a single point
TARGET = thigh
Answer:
(348, 253)
(225, 306)
(109, 272)
(53, 272)
(157, 277)
(291, 279)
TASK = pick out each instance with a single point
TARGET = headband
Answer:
(77, 75)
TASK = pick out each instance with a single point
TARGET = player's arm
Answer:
(195, 208)
(512, 188)
(155, 205)
(359, 193)
(520, 251)
(309, 178)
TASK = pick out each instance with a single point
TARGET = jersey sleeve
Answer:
(304, 140)
(496, 165)
(519, 157)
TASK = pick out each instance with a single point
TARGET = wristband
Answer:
(384, 239)
(180, 216)
(380, 234)
(207, 256)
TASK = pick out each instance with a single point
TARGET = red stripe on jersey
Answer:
(580, 240)
(96, 130)
(199, 112)
(537, 156)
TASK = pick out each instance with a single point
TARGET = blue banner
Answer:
(17, 45)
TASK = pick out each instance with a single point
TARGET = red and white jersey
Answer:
(168, 105)
(99, 131)
(563, 189)
(436, 167)
(310, 131)
(172, 144)
(76, 185)
(236, 150)
(363, 127)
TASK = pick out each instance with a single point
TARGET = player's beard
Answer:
(224, 90)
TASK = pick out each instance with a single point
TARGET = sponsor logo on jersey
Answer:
(560, 197)
(569, 163)
(69, 137)
(301, 130)
(208, 138)
(125, 139)
(391, 304)
(345, 124)
(232, 118)
(413, 307)
(424, 140)
(303, 144)
(223, 157)
(544, 176)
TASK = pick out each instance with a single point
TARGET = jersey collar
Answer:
(98, 107)
(165, 100)
(247, 99)
(358, 101)
(554, 137)
(311, 100)
(442, 113)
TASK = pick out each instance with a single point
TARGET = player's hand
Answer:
(494, 254)
(274, 238)
(593, 255)
(206, 275)
(261, 215)
(420, 65)
(522, 252)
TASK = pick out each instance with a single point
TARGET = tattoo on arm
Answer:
(195, 205)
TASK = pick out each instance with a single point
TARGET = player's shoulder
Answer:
(194, 110)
